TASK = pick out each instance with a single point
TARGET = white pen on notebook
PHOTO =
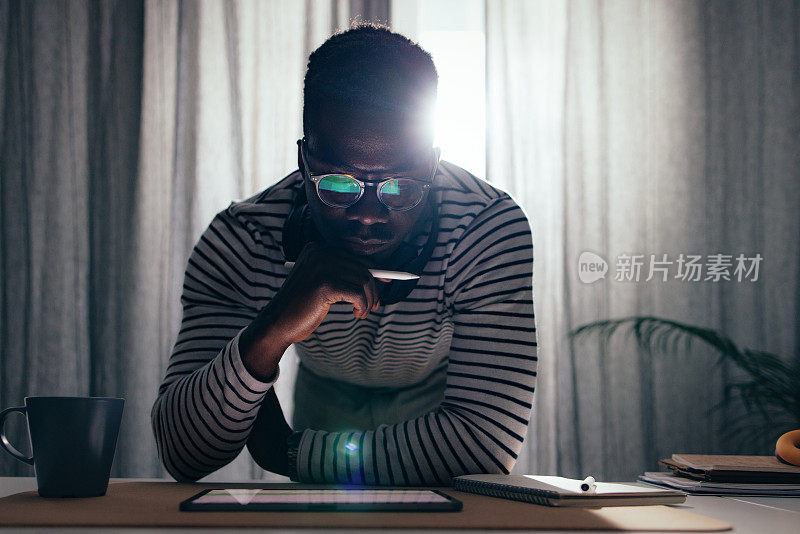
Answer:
(377, 273)
(588, 484)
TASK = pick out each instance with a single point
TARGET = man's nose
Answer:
(368, 209)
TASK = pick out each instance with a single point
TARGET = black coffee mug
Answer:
(73, 440)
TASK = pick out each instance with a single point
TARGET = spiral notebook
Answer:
(560, 491)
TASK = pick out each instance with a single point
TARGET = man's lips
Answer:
(366, 246)
(367, 241)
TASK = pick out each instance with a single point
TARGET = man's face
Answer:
(371, 151)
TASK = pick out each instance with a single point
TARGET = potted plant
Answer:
(770, 392)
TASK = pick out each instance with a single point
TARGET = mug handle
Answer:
(4, 440)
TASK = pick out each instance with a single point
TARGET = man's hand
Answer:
(322, 275)
(267, 440)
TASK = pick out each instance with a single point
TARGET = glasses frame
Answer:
(317, 177)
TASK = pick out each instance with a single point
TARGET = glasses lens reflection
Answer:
(400, 193)
(338, 190)
(343, 191)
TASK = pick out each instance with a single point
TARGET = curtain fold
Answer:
(71, 95)
(126, 125)
(646, 127)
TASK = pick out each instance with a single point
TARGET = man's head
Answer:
(368, 112)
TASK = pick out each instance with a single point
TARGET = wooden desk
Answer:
(748, 515)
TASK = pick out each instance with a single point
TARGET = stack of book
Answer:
(717, 474)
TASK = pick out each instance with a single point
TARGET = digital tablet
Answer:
(321, 500)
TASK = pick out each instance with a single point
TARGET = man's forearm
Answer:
(194, 434)
(260, 347)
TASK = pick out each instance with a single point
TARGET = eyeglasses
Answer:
(340, 190)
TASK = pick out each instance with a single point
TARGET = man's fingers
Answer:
(346, 277)
(357, 296)
(372, 292)
(365, 290)
(362, 309)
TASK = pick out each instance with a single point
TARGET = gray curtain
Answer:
(647, 127)
(125, 127)
(71, 87)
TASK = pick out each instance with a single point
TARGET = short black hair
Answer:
(368, 68)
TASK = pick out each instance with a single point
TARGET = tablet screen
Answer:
(355, 499)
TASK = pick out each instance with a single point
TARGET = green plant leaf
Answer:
(772, 393)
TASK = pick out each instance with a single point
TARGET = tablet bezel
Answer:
(452, 504)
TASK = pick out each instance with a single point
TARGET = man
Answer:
(399, 383)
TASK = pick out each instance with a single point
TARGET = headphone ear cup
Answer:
(395, 291)
(293, 227)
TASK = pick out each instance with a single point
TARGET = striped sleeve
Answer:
(208, 401)
(491, 374)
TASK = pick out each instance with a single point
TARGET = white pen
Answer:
(377, 273)
(588, 484)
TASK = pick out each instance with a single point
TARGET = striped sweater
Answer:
(470, 318)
